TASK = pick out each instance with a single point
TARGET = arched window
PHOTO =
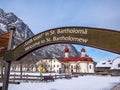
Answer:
(71, 66)
(90, 66)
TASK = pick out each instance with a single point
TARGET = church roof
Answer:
(107, 63)
(75, 59)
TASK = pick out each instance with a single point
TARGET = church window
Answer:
(74, 67)
(71, 66)
(90, 66)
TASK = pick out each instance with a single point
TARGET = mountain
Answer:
(57, 50)
(23, 32)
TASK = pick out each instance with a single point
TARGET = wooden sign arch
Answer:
(94, 37)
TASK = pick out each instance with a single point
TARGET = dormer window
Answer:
(119, 65)
(104, 63)
(109, 61)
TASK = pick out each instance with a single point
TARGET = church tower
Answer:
(66, 50)
(83, 52)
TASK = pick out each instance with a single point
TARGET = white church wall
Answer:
(83, 67)
(72, 67)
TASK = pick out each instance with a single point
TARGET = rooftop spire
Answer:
(82, 50)
(66, 49)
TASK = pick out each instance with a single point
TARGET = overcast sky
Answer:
(41, 15)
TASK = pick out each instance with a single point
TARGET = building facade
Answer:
(77, 64)
(67, 64)
(103, 67)
(115, 68)
(50, 64)
(109, 67)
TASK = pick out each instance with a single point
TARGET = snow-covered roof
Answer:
(116, 63)
(104, 63)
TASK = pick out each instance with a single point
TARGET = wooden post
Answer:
(14, 77)
(27, 78)
(21, 71)
(2, 68)
(8, 63)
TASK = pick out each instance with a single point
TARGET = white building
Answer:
(111, 66)
(116, 64)
(23, 67)
(115, 68)
(78, 64)
(50, 64)
(104, 66)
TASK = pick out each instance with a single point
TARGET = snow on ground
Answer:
(81, 83)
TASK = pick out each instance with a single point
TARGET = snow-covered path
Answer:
(80, 83)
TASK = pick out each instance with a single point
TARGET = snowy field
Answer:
(81, 83)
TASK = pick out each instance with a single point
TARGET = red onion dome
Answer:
(82, 50)
(66, 49)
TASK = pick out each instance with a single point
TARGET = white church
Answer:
(78, 64)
